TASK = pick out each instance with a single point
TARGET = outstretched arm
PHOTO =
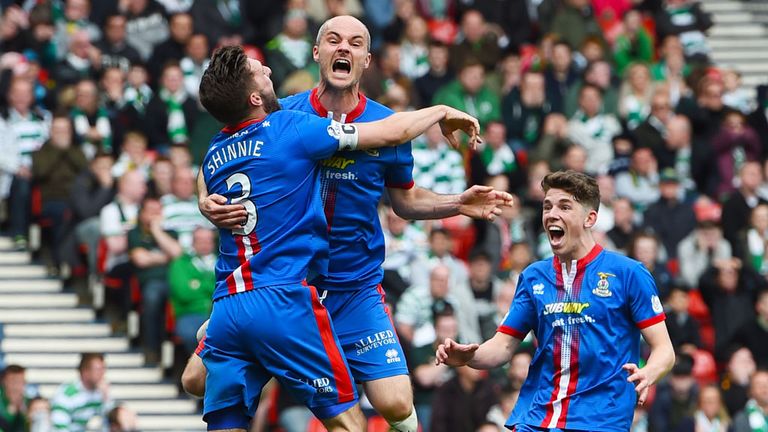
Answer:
(405, 126)
(660, 361)
(492, 353)
(478, 202)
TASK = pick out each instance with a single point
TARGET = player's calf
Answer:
(392, 398)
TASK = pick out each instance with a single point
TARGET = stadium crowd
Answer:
(102, 133)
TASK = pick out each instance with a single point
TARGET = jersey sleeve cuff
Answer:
(405, 186)
(651, 321)
(200, 346)
(515, 333)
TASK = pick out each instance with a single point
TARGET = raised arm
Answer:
(405, 126)
(478, 202)
(492, 353)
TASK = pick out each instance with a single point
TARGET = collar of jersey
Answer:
(314, 100)
(580, 264)
(241, 125)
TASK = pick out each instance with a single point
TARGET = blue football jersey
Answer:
(271, 166)
(351, 185)
(587, 322)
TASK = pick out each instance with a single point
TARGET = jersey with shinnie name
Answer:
(351, 185)
(270, 166)
(587, 321)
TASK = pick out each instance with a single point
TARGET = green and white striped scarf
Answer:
(497, 162)
(758, 421)
(177, 124)
(82, 125)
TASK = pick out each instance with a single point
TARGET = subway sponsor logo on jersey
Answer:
(565, 307)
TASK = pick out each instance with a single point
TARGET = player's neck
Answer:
(338, 101)
(585, 245)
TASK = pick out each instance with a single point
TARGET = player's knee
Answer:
(193, 377)
(396, 407)
(408, 424)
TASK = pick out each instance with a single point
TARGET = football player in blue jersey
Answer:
(352, 183)
(266, 320)
(587, 307)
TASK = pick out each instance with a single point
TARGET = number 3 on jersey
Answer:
(245, 186)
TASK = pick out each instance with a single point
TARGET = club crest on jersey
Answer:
(603, 287)
(538, 289)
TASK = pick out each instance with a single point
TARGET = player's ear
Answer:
(591, 219)
(367, 61)
(255, 99)
(315, 54)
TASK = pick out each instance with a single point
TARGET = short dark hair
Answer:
(87, 358)
(583, 187)
(226, 85)
(587, 86)
(13, 369)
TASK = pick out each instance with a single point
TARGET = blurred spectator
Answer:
(729, 290)
(623, 146)
(40, 415)
(735, 144)
(623, 223)
(462, 404)
(437, 76)
(133, 155)
(77, 402)
(418, 305)
(91, 191)
(675, 401)
(738, 207)
(81, 62)
(605, 219)
(691, 161)
(161, 177)
(122, 419)
(510, 19)
(495, 157)
(495, 238)
(754, 417)
(440, 253)
(575, 158)
(699, 250)
(224, 21)
(711, 414)
(414, 48)
(26, 129)
(54, 169)
(485, 287)
(635, 95)
(404, 243)
(641, 183)
(476, 41)
(705, 108)
(470, 94)
(553, 142)
(593, 129)
(671, 218)
(192, 281)
(151, 249)
(436, 166)
(403, 11)
(736, 96)
(137, 91)
(112, 89)
(671, 69)
(561, 75)
(13, 402)
(427, 376)
(171, 112)
(194, 63)
(93, 128)
(74, 20)
(171, 50)
(384, 74)
(180, 212)
(683, 328)
(598, 74)
(758, 119)
(686, 19)
(115, 51)
(146, 25)
(524, 110)
(652, 131)
(575, 21)
(291, 49)
(634, 44)
(644, 247)
(756, 240)
(116, 219)
(754, 333)
(734, 384)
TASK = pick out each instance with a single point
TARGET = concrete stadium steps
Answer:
(114, 375)
(57, 330)
(8, 316)
(29, 286)
(64, 344)
(39, 300)
(43, 329)
(125, 392)
(71, 360)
